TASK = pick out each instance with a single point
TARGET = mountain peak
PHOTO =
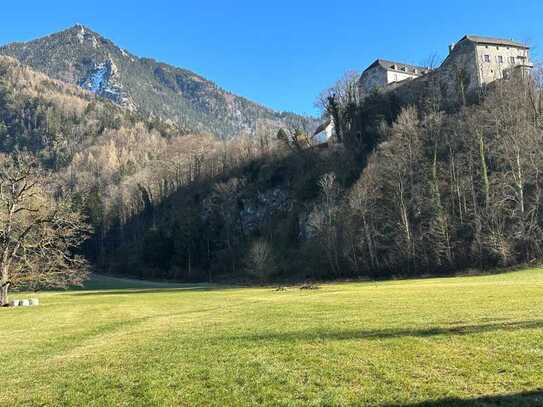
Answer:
(80, 28)
(82, 33)
(80, 56)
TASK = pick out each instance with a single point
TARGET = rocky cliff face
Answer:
(104, 80)
(80, 56)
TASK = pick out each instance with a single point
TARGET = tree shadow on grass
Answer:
(526, 399)
(389, 333)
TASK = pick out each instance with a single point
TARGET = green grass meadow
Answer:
(434, 342)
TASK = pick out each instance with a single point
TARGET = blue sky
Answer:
(279, 53)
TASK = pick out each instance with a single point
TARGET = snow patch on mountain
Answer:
(103, 80)
(97, 79)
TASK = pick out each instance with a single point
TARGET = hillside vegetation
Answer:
(118, 162)
(431, 186)
(424, 188)
(413, 189)
(133, 174)
(435, 342)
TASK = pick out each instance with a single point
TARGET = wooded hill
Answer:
(429, 188)
(108, 154)
(412, 190)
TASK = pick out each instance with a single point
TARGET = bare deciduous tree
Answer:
(324, 220)
(339, 101)
(38, 232)
(259, 260)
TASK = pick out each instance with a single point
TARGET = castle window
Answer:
(500, 59)
(487, 58)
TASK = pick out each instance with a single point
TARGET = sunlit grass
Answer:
(128, 342)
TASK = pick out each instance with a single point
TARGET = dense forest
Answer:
(415, 189)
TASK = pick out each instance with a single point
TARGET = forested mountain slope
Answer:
(83, 57)
(123, 166)
(411, 190)
(116, 159)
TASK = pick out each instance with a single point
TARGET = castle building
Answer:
(383, 73)
(472, 63)
(479, 61)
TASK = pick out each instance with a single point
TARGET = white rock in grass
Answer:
(14, 303)
(24, 303)
(34, 301)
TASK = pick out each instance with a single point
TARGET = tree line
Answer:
(411, 188)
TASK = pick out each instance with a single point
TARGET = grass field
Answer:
(436, 342)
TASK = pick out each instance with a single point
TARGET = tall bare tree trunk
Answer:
(484, 168)
(370, 244)
(456, 196)
(441, 216)
(4, 288)
(404, 216)
(520, 183)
